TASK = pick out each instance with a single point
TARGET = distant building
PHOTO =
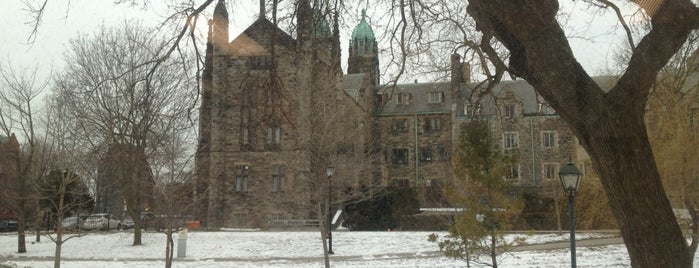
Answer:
(249, 160)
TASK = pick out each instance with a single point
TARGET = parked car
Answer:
(101, 221)
(127, 223)
(8, 225)
(148, 220)
(70, 223)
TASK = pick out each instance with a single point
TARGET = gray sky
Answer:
(62, 22)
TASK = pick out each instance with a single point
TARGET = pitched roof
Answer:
(418, 99)
(260, 30)
(243, 45)
(419, 103)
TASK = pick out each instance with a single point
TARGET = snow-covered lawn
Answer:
(288, 249)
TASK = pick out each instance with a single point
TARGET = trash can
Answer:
(182, 244)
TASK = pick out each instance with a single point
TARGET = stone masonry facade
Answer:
(255, 150)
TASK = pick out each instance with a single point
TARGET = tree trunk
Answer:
(21, 244)
(622, 155)
(59, 243)
(137, 231)
(323, 234)
(169, 248)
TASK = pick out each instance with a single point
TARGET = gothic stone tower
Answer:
(253, 146)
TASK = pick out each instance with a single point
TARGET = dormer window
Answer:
(435, 97)
(403, 98)
(472, 109)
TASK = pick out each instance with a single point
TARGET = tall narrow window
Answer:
(433, 124)
(513, 172)
(399, 125)
(278, 179)
(510, 140)
(550, 170)
(426, 154)
(246, 136)
(509, 111)
(274, 135)
(548, 139)
(241, 178)
(403, 98)
(399, 156)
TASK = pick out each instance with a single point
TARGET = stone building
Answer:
(258, 160)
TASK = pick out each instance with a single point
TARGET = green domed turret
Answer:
(363, 38)
(320, 26)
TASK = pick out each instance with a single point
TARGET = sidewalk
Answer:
(596, 242)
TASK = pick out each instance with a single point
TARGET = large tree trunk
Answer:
(621, 154)
(609, 123)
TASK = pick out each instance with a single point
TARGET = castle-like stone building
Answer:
(271, 101)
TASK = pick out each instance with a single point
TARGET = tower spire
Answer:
(262, 9)
(220, 25)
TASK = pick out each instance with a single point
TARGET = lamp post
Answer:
(570, 179)
(329, 172)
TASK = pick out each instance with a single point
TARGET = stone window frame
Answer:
(242, 177)
(426, 154)
(278, 178)
(399, 125)
(549, 170)
(549, 139)
(509, 110)
(273, 139)
(433, 124)
(435, 97)
(510, 140)
(513, 172)
(400, 156)
(472, 109)
(403, 98)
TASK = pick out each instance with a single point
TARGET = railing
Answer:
(293, 223)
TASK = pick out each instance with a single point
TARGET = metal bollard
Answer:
(182, 244)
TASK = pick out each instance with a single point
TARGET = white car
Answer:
(101, 221)
(72, 223)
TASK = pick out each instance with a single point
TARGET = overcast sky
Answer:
(62, 22)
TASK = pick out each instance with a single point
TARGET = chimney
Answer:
(466, 75)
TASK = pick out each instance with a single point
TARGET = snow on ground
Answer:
(288, 249)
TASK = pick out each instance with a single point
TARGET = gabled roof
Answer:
(243, 45)
(259, 30)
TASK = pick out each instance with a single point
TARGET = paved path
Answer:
(596, 242)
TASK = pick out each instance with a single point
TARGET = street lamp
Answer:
(570, 179)
(329, 172)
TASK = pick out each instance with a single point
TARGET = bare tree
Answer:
(18, 99)
(174, 189)
(122, 97)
